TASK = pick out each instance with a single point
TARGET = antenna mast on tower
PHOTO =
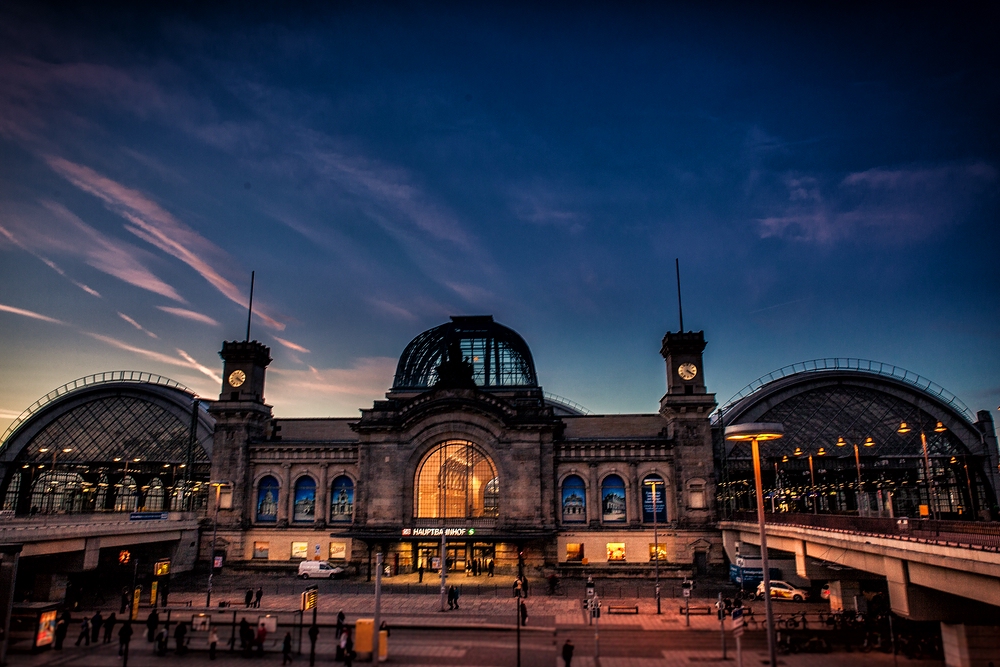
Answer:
(250, 308)
(680, 308)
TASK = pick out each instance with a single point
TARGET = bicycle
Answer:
(792, 621)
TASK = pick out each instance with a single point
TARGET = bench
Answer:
(696, 610)
(623, 609)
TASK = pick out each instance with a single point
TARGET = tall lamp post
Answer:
(931, 487)
(869, 442)
(755, 433)
(812, 473)
(215, 532)
(656, 539)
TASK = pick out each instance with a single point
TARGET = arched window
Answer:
(613, 500)
(101, 499)
(456, 480)
(57, 491)
(155, 496)
(574, 500)
(267, 499)
(14, 488)
(654, 503)
(126, 495)
(342, 500)
(305, 500)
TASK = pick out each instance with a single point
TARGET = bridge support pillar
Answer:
(186, 552)
(92, 553)
(844, 595)
(970, 645)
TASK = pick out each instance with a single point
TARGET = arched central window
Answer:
(456, 480)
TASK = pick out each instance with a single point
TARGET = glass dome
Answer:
(497, 357)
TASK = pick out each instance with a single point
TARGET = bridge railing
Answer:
(969, 534)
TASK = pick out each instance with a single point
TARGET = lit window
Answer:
(456, 480)
(655, 550)
(338, 551)
(574, 552)
(616, 551)
(261, 549)
(300, 550)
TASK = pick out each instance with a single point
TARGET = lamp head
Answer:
(841, 442)
(903, 428)
(869, 442)
(940, 428)
(797, 452)
(759, 431)
(821, 452)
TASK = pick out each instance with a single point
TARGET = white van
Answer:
(318, 569)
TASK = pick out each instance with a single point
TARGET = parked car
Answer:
(783, 590)
(318, 569)
(824, 592)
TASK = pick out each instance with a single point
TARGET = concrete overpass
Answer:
(934, 570)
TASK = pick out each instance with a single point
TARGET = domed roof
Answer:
(496, 357)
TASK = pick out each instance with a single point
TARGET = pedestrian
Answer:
(261, 636)
(420, 573)
(95, 626)
(151, 622)
(124, 636)
(567, 652)
(340, 623)
(84, 632)
(489, 567)
(286, 645)
(180, 636)
(109, 626)
(162, 638)
(341, 644)
(458, 593)
(451, 597)
(248, 598)
(164, 592)
(246, 637)
(524, 613)
(348, 645)
(125, 600)
(213, 642)
(260, 594)
(62, 627)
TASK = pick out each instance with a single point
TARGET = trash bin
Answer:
(364, 633)
(383, 645)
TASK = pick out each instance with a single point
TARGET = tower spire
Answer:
(250, 307)
(680, 308)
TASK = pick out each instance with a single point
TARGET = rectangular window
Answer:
(261, 549)
(616, 551)
(697, 496)
(338, 551)
(300, 550)
(653, 551)
(574, 552)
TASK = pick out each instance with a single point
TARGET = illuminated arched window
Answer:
(126, 495)
(267, 499)
(574, 500)
(649, 502)
(613, 500)
(305, 500)
(155, 496)
(342, 500)
(456, 480)
(57, 491)
(10, 500)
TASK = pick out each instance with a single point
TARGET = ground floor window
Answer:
(616, 551)
(338, 551)
(574, 552)
(657, 552)
(300, 550)
(261, 549)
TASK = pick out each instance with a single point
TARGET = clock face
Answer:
(687, 371)
(236, 378)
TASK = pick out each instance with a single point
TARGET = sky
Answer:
(827, 176)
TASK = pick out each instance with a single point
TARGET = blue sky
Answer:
(828, 177)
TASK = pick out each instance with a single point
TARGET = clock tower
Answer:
(682, 352)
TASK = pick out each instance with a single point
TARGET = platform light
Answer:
(940, 428)
(797, 452)
(903, 428)
(821, 452)
(841, 442)
(869, 442)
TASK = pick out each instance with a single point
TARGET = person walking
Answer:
(261, 637)
(420, 573)
(260, 594)
(62, 627)
(567, 652)
(313, 636)
(451, 597)
(524, 613)
(248, 598)
(286, 645)
(161, 641)
(458, 593)
(341, 619)
(180, 636)
(95, 626)
(164, 592)
(213, 642)
(246, 637)
(347, 644)
(84, 632)
(109, 626)
(124, 636)
(489, 567)
(152, 621)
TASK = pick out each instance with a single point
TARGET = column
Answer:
(594, 498)
(843, 595)
(634, 504)
(323, 495)
(285, 508)
(970, 645)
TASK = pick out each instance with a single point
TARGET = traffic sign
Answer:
(737, 618)
(686, 592)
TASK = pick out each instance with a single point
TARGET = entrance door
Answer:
(701, 562)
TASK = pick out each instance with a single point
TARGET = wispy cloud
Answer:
(29, 313)
(369, 377)
(184, 360)
(204, 370)
(137, 325)
(48, 262)
(189, 315)
(290, 345)
(151, 223)
(901, 204)
(393, 310)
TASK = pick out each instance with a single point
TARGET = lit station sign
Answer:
(437, 532)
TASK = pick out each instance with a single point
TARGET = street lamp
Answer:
(931, 487)
(812, 473)
(869, 442)
(656, 540)
(755, 433)
(215, 532)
